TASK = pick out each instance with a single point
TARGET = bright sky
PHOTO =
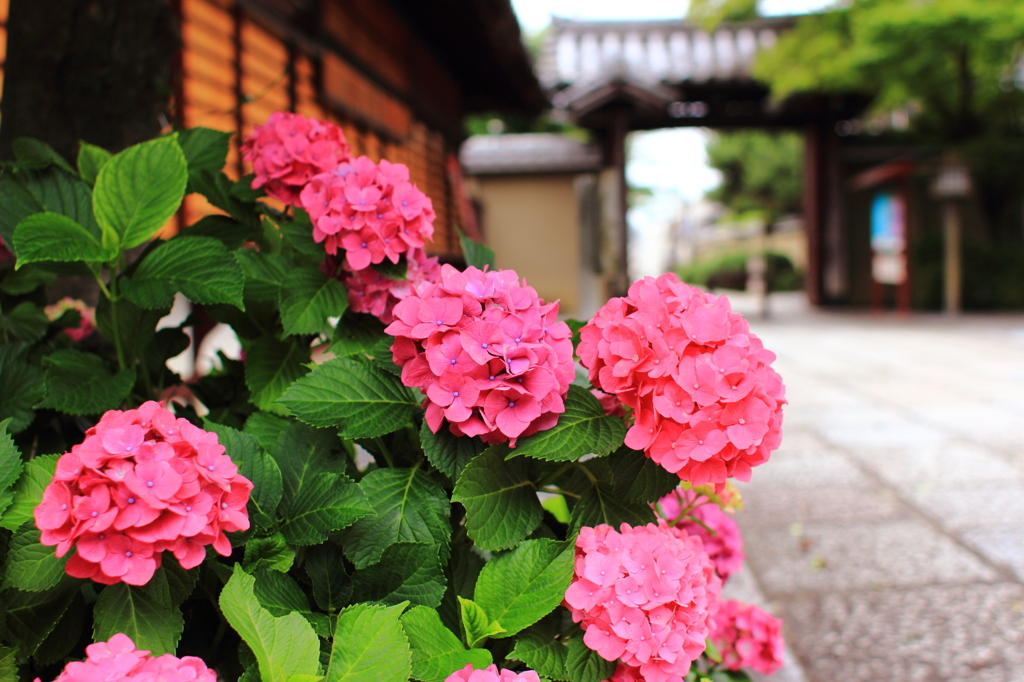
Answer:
(672, 162)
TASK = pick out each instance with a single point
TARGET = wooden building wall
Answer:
(369, 75)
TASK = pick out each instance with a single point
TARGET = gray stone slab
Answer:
(897, 433)
(808, 469)
(781, 507)
(955, 462)
(841, 557)
(969, 505)
(971, 632)
(1001, 544)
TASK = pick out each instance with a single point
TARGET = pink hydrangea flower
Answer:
(370, 210)
(747, 637)
(718, 531)
(142, 482)
(85, 327)
(491, 674)
(117, 659)
(490, 356)
(706, 403)
(289, 150)
(643, 595)
(370, 292)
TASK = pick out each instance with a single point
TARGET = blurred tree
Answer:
(710, 13)
(99, 70)
(761, 172)
(958, 63)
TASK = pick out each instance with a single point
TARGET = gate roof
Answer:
(673, 73)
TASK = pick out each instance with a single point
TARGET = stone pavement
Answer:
(888, 530)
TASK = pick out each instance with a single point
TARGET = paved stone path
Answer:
(888, 530)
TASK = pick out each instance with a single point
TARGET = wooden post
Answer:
(617, 140)
(813, 214)
(953, 279)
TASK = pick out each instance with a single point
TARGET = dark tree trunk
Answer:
(93, 70)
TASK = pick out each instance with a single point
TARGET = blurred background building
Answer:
(829, 142)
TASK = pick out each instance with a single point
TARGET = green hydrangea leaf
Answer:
(8, 664)
(408, 506)
(204, 148)
(52, 190)
(436, 651)
(582, 664)
(370, 646)
(35, 154)
(266, 428)
(22, 387)
(477, 255)
(447, 452)
(29, 617)
(10, 467)
(180, 581)
(407, 572)
(518, 588)
(26, 321)
(601, 504)
(201, 268)
(539, 648)
(638, 478)
(54, 237)
(232, 233)
(272, 552)
(582, 429)
(332, 587)
(271, 366)
(283, 646)
(138, 190)
(27, 279)
(253, 463)
(90, 160)
(501, 504)
(318, 497)
(80, 383)
(353, 394)
(264, 273)
(28, 491)
(144, 613)
(476, 626)
(308, 298)
(356, 333)
(280, 595)
(31, 566)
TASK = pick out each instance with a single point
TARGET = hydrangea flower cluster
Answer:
(118, 660)
(85, 327)
(289, 150)
(142, 482)
(716, 529)
(747, 637)
(373, 293)
(706, 404)
(491, 674)
(370, 210)
(490, 356)
(643, 595)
